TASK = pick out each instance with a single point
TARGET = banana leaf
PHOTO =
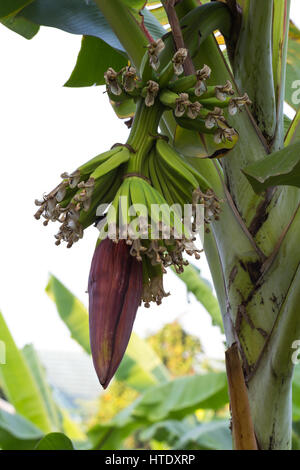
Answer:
(17, 433)
(279, 168)
(19, 384)
(203, 293)
(140, 366)
(55, 441)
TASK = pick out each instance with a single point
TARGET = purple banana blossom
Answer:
(115, 291)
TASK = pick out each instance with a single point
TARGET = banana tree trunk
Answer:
(253, 250)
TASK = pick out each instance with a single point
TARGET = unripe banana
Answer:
(113, 162)
(197, 124)
(118, 98)
(181, 191)
(166, 75)
(209, 93)
(183, 84)
(92, 164)
(146, 71)
(168, 98)
(212, 103)
(179, 165)
(103, 194)
(152, 172)
(171, 158)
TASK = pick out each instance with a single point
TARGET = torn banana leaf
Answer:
(278, 169)
(94, 58)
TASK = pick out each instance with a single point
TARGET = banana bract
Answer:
(135, 194)
(115, 288)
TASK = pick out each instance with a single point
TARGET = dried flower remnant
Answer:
(223, 91)
(154, 49)
(193, 110)
(223, 134)
(181, 104)
(235, 104)
(178, 60)
(153, 291)
(212, 205)
(111, 79)
(214, 118)
(152, 92)
(129, 79)
(202, 75)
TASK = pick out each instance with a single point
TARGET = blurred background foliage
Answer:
(166, 394)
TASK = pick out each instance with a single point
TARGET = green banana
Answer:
(146, 71)
(155, 198)
(103, 194)
(183, 84)
(110, 164)
(168, 98)
(124, 203)
(180, 189)
(158, 181)
(212, 103)
(171, 158)
(137, 194)
(124, 96)
(179, 165)
(197, 124)
(92, 164)
(166, 75)
(152, 172)
(165, 187)
(209, 93)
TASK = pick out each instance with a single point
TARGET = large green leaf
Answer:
(183, 396)
(292, 89)
(203, 293)
(17, 433)
(22, 26)
(72, 16)
(7, 7)
(110, 435)
(55, 441)
(166, 431)
(214, 435)
(38, 372)
(140, 366)
(72, 312)
(94, 58)
(171, 401)
(81, 17)
(279, 168)
(19, 384)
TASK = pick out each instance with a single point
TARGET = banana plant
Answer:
(206, 125)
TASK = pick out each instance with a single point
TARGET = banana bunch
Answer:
(196, 106)
(152, 228)
(73, 203)
(139, 189)
(172, 175)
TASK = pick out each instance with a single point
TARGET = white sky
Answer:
(47, 129)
